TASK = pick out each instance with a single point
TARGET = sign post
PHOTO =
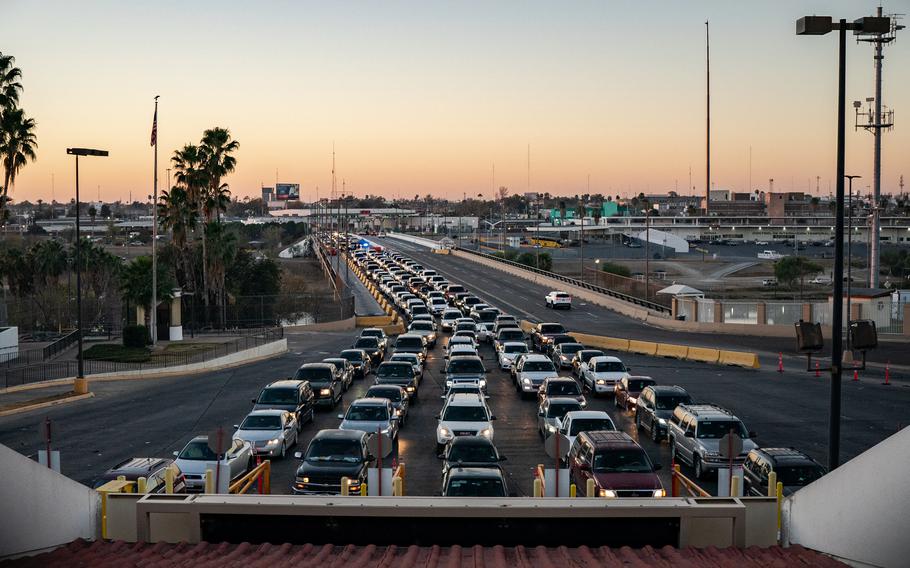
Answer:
(216, 444)
(730, 446)
(553, 446)
(379, 445)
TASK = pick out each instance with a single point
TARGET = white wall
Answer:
(9, 343)
(858, 512)
(41, 508)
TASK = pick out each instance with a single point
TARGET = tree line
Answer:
(18, 141)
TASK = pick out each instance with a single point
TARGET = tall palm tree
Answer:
(222, 249)
(179, 214)
(17, 146)
(10, 87)
(189, 172)
(216, 150)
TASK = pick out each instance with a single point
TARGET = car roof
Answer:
(471, 441)
(334, 359)
(336, 434)
(508, 343)
(284, 383)
(410, 336)
(562, 400)
(372, 329)
(552, 380)
(605, 359)
(569, 344)
(381, 388)
(476, 472)
(668, 390)
(601, 439)
(372, 401)
(785, 456)
(267, 412)
(139, 465)
(581, 414)
(537, 357)
(394, 364)
(316, 366)
(359, 351)
(707, 411)
(464, 399)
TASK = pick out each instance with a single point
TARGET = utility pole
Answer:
(708, 120)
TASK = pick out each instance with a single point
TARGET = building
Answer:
(268, 194)
(789, 204)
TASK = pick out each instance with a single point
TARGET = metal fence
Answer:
(280, 310)
(64, 369)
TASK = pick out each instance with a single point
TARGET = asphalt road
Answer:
(158, 416)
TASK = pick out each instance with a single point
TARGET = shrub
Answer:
(617, 269)
(136, 336)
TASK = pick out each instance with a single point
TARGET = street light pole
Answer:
(849, 253)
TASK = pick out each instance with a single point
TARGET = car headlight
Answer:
(526, 381)
(601, 382)
(273, 442)
(304, 480)
(445, 433)
(397, 412)
(607, 493)
(325, 391)
(410, 389)
(551, 428)
(660, 493)
(661, 421)
(486, 433)
(483, 383)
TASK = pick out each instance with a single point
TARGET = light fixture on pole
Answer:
(80, 385)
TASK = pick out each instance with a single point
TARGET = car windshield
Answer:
(473, 453)
(566, 388)
(508, 334)
(590, 425)
(515, 349)
(465, 414)
(353, 356)
(403, 370)
(334, 451)
(257, 422)
(198, 450)
(571, 348)
(368, 412)
(451, 315)
(392, 394)
(315, 375)
(798, 475)
(621, 461)
(465, 327)
(409, 343)
(367, 343)
(552, 328)
(539, 366)
(486, 317)
(371, 333)
(421, 326)
(714, 429)
(278, 396)
(405, 358)
(473, 487)
(586, 355)
(559, 410)
(637, 385)
(609, 367)
(671, 402)
(465, 366)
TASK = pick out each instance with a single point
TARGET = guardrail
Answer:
(261, 473)
(575, 282)
(690, 486)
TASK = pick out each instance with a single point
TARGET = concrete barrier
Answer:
(526, 326)
(703, 354)
(673, 351)
(393, 329)
(373, 321)
(602, 342)
(739, 359)
(642, 347)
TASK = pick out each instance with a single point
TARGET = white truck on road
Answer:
(770, 255)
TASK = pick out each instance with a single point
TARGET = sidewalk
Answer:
(364, 302)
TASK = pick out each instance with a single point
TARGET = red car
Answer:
(626, 391)
(618, 466)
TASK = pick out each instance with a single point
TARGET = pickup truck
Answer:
(770, 255)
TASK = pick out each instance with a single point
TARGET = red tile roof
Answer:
(116, 554)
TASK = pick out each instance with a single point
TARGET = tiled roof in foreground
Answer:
(116, 554)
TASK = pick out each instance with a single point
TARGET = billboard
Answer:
(287, 191)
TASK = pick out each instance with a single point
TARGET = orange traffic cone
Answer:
(887, 373)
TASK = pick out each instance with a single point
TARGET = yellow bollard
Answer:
(573, 491)
(734, 486)
(538, 488)
(141, 485)
(772, 484)
(590, 488)
(363, 489)
(345, 486)
(780, 500)
(209, 481)
(169, 480)
(397, 487)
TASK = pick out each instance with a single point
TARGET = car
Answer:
(462, 350)
(360, 360)
(508, 334)
(426, 329)
(152, 469)
(556, 300)
(447, 320)
(626, 391)
(794, 470)
(769, 282)
(344, 369)
(577, 421)
(560, 387)
(269, 432)
(378, 333)
(295, 396)
(470, 451)
(400, 373)
(373, 348)
(485, 319)
(656, 404)
(464, 339)
(196, 457)
(467, 304)
(503, 322)
(438, 306)
(557, 340)
(325, 380)
(465, 369)
(330, 456)
(694, 437)
(396, 395)
(618, 466)
(564, 353)
(602, 373)
(371, 415)
(474, 482)
(551, 410)
(581, 358)
(542, 332)
(530, 371)
(413, 359)
(464, 388)
(411, 343)
(510, 350)
(463, 415)
(452, 290)
(821, 280)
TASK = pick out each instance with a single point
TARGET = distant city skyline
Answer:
(424, 98)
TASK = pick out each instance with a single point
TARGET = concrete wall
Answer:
(858, 512)
(340, 325)
(42, 508)
(429, 243)
(9, 343)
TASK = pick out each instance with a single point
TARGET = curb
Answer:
(48, 404)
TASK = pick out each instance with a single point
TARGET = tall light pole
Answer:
(80, 375)
(821, 25)
(849, 252)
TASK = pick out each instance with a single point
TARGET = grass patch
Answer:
(186, 348)
(119, 353)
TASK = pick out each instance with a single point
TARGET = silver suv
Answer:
(694, 435)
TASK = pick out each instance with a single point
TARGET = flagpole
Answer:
(154, 314)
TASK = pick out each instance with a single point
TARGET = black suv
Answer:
(470, 451)
(331, 455)
(655, 407)
(325, 380)
(474, 482)
(793, 468)
(289, 394)
(152, 469)
(400, 374)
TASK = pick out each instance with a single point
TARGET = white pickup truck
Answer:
(556, 299)
(770, 255)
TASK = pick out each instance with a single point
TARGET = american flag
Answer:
(155, 127)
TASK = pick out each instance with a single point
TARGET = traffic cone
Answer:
(780, 363)
(887, 374)
(855, 376)
(817, 375)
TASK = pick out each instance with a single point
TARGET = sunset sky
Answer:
(423, 97)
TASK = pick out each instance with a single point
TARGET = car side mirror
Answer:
(253, 400)
(394, 418)
(689, 434)
(236, 426)
(341, 416)
(752, 433)
(370, 457)
(440, 456)
(439, 416)
(298, 455)
(176, 453)
(503, 458)
(658, 467)
(493, 417)
(288, 426)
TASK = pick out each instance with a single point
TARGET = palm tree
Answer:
(10, 87)
(178, 213)
(217, 161)
(136, 284)
(222, 250)
(17, 146)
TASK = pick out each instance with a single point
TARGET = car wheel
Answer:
(699, 468)
(299, 423)
(284, 450)
(655, 433)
